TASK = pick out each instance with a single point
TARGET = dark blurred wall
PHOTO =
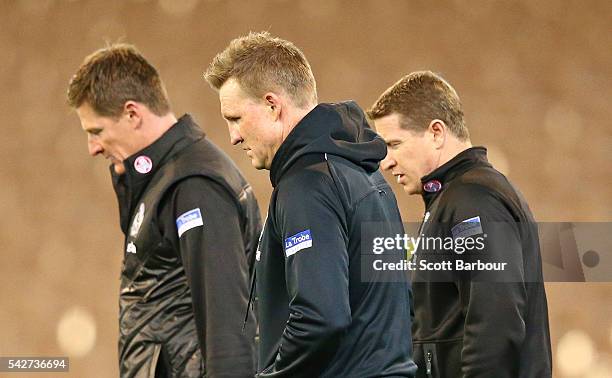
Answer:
(535, 78)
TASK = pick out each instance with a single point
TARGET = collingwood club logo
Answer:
(131, 248)
(143, 164)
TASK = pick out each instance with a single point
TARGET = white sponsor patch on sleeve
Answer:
(297, 242)
(189, 220)
(468, 227)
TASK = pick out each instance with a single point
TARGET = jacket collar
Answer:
(183, 133)
(297, 139)
(141, 167)
(339, 129)
(435, 182)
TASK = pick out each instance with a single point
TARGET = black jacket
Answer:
(191, 224)
(317, 317)
(480, 323)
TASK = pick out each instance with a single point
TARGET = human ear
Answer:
(438, 130)
(274, 104)
(133, 111)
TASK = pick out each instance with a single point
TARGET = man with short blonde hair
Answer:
(317, 317)
(260, 62)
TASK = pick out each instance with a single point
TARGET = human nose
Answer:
(388, 162)
(93, 147)
(235, 137)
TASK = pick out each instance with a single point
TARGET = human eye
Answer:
(232, 119)
(393, 144)
(94, 131)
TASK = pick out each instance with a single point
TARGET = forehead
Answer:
(85, 111)
(231, 95)
(389, 126)
(90, 119)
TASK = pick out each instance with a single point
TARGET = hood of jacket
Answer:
(339, 129)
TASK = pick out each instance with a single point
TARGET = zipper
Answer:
(252, 289)
(428, 364)
(418, 235)
(425, 219)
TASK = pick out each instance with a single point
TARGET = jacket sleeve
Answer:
(202, 222)
(311, 221)
(493, 302)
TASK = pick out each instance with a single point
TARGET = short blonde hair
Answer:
(261, 63)
(419, 98)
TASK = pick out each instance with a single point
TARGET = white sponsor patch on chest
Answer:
(189, 220)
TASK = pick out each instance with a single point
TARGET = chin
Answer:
(119, 169)
(258, 165)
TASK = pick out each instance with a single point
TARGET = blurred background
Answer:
(535, 78)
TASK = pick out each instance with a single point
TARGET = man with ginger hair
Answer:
(191, 224)
(317, 317)
(473, 323)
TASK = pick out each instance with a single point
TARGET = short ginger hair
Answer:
(419, 98)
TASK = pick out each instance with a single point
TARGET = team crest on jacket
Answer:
(432, 186)
(143, 164)
(137, 222)
(131, 248)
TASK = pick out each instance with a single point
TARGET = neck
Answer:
(158, 125)
(452, 148)
(294, 116)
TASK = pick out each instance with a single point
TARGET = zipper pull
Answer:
(428, 364)
(410, 254)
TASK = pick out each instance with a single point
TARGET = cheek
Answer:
(110, 135)
(414, 167)
(406, 159)
(250, 134)
(103, 141)
(251, 128)
(264, 134)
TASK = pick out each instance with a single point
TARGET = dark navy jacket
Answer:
(317, 316)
